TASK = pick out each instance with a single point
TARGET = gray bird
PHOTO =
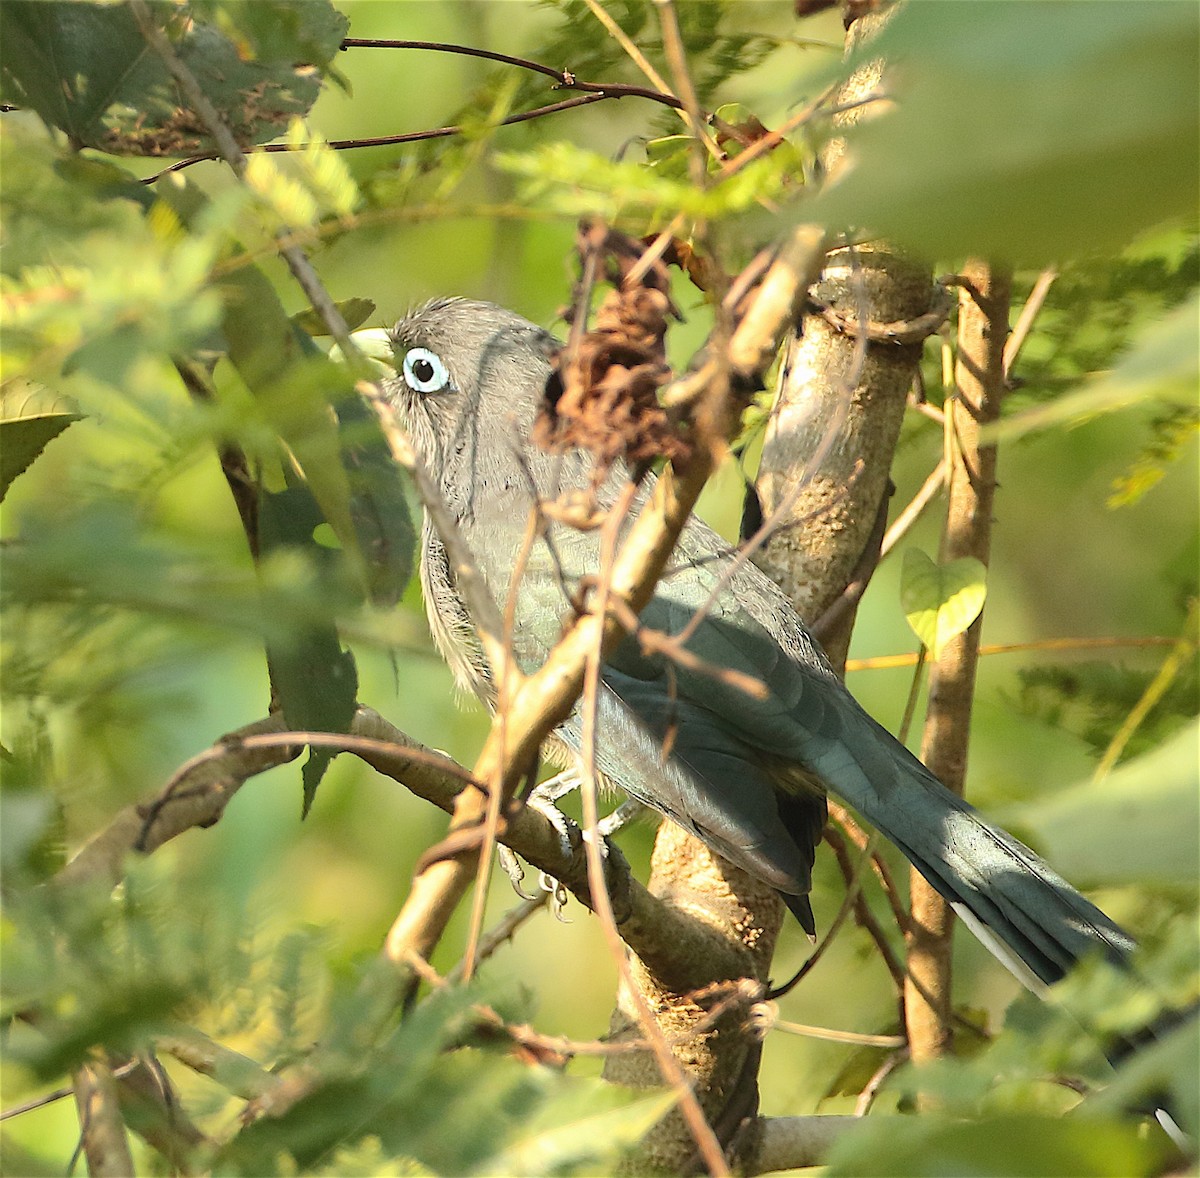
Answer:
(746, 775)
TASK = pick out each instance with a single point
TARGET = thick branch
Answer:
(791, 1143)
(828, 449)
(198, 795)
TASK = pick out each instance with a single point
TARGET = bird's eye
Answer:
(425, 371)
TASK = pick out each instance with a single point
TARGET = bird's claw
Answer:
(543, 799)
(511, 866)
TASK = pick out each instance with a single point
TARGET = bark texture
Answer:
(979, 377)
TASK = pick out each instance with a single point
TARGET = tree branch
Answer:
(563, 79)
(792, 1143)
(101, 1127)
(980, 378)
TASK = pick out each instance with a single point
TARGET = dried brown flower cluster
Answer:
(603, 397)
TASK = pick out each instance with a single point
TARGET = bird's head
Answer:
(469, 377)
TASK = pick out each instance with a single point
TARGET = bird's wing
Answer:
(721, 784)
(811, 719)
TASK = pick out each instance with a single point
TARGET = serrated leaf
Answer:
(86, 69)
(315, 680)
(941, 600)
(276, 30)
(22, 439)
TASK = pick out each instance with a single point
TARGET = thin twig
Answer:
(1181, 655)
(502, 931)
(391, 140)
(870, 1091)
(669, 1064)
(913, 511)
(885, 662)
(634, 54)
(830, 1035)
(563, 79)
(859, 837)
(676, 56)
(847, 906)
(204, 788)
(914, 694)
(863, 916)
(693, 117)
(56, 1094)
(1025, 320)
(668, 645)
(533, 529)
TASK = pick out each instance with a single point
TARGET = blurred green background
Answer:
(125, 700)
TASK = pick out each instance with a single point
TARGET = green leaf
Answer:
(1034, 1146)
(349, 482)
(1140, 824)
(584, 1127)
(573, 181)
(354, 311)
(378, 507)
(276, 30)
(315, 680)
(31, 416)
(1173, 433)
(22, 439)
(295, 384)
(1034, 131)
(941, 600)
(86, 69)
(77, 234)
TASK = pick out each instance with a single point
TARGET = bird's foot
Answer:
(545, 882)
(544, 799)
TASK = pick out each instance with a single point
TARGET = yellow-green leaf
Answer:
(355, 312)
(941, 600)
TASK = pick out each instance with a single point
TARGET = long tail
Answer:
(1023, 911)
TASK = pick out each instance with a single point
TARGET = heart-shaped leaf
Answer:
(941, 600)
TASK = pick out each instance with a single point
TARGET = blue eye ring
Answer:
(425, 371)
